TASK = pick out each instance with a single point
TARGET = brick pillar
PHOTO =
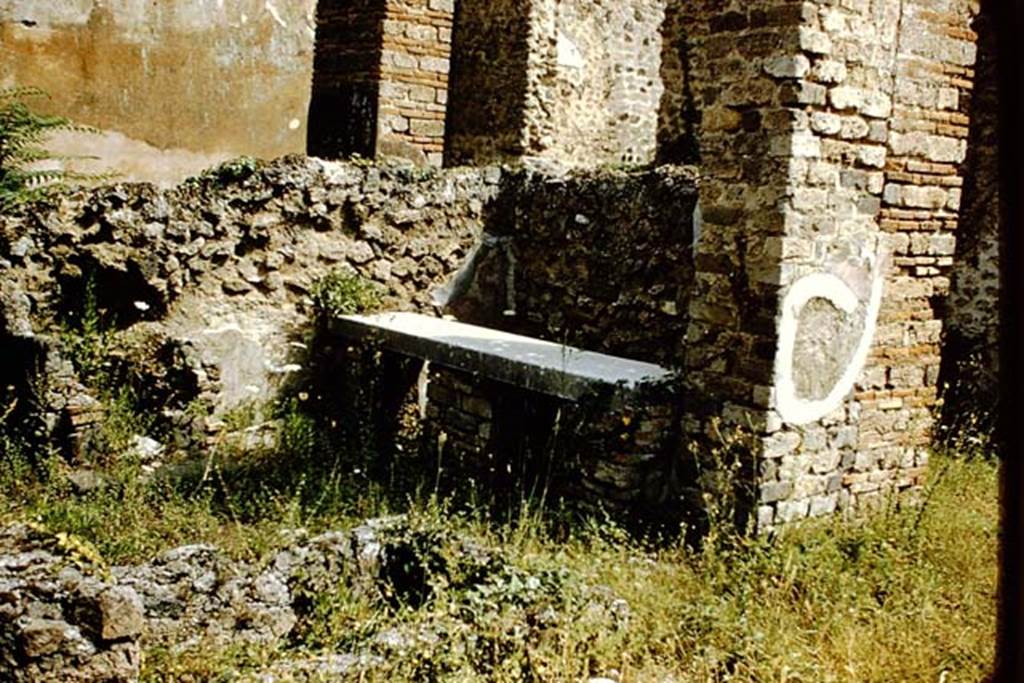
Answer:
(921, 208)
(806, 334)
(414, 78)
(380, 79)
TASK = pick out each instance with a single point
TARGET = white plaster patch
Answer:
(698, 224)
(569, 55)
(790, 406)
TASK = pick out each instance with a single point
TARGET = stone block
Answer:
(845, 98)
(872, 156)
(809, 485)
(791, 510)
(826, 123)
(427, 127)
(120, 613)
(829, 71)
(779, 444)
(787, 66)
(804, 145)
(935, 148)
(877, 105)
(775, 491)
(419, 32)
(825, 461)
(422, 93)
(42, 637)
(853, 128)
(721, 118)
(794, 466)
(435, 64)
(802, 92)
(825, 504)
(814, 41)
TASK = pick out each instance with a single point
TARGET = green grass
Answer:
(906, 595)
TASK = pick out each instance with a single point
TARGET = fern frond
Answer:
(20, 92)
(23, 133)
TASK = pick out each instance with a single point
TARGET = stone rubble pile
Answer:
(65, 617)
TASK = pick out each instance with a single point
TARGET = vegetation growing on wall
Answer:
(344, 292)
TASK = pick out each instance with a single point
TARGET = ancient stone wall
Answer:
(576, 81)
(594, 80)
(206, 288)
(601, 260)
(199, 79)
(215, 277)
(744, 141)
(506, 440)
(920, 212)
(459, 413)
(803, 298)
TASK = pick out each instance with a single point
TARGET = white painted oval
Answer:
(791, 407)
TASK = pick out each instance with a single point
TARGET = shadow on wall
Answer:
(347, 54)
(678, 116)
(482, 118)
(970, 355)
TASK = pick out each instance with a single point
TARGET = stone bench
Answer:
(534, 364)
(491, 396)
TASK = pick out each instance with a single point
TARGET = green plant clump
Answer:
(234, 170)
(344, 292)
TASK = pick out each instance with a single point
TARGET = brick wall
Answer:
(415, 64)
(920, 210)
(380, 83)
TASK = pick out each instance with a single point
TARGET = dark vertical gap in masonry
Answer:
(346, 78)
(968, 358)
(677, 145)
(454, 59)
